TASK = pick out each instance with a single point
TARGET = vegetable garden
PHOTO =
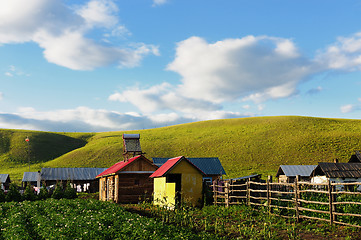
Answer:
(83, 219)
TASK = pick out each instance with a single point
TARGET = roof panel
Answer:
(210, 166)
(295, 170)
(4, 177)
(170, 164)
(30, 176)
(341, 170)
(70, 173)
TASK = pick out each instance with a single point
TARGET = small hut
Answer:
(178, 180)
(211, 167)
(288, 173)
(127, 181)
(5, 181)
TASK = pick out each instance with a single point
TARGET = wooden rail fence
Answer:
(338, 203)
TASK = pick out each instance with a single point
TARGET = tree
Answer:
(2, 195)
(29, 193)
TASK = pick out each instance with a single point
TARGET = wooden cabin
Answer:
(4, 181)
(178, 181)
(288, 173)
(211, 167)
(337, 172)
(127, 181)
(131, 146)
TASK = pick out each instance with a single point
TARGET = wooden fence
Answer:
(338, 203)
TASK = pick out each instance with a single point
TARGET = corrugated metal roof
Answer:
(118, 166)
(210, 166)
(170, 164)
(341, 170)
(295, 170)
(245, 177)
(70, 173)
(4, 178)
(30, 176)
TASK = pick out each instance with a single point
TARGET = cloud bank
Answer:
(62, 32)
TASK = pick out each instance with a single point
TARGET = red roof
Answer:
(118, 166)
(168, 165)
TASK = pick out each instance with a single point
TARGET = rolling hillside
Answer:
(244, 146)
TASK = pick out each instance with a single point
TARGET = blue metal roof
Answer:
(30, 176)
(4, 177)
(245, 177)
(210, 166)
(295, 170)
(70, 173)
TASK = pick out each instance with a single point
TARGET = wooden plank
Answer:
(313, 202)
(282, 199)
(315, 218)
(340, 203)
(313, 210)
(347, 214)
(313, 191)
(347, 224)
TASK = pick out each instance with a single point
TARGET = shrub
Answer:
(58, 191)
(29, 193)
(2, 196)
(69, 192)
(13, 194)
(43, 194)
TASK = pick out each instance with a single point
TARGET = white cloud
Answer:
(233, 68)
(61, 32)
(345, 54)
(1, 96)
(159, 2)
(84, 119)
(162, 97)
(347, 108)
(101, 13)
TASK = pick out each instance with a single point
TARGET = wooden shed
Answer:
(288, 173)
(4, 181)
(178, 181)
(127, 181)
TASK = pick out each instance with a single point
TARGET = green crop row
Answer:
(83, 219)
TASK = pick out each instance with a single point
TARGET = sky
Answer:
(110, 65)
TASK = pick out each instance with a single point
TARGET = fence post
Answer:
(226, 193)
(248, 193)
(269, 179)
(330, 201)
(296, 197)
(214, 192)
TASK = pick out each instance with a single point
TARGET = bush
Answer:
(2, 196)
(69, 192)
(29, 193)
(58, 191)
(43, 194)
(13, 194)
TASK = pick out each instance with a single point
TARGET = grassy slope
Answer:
(244, 146)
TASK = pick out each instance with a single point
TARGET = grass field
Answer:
(244, 146)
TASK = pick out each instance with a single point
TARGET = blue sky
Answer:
(106, 65)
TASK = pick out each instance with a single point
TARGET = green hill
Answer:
(244, 146)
